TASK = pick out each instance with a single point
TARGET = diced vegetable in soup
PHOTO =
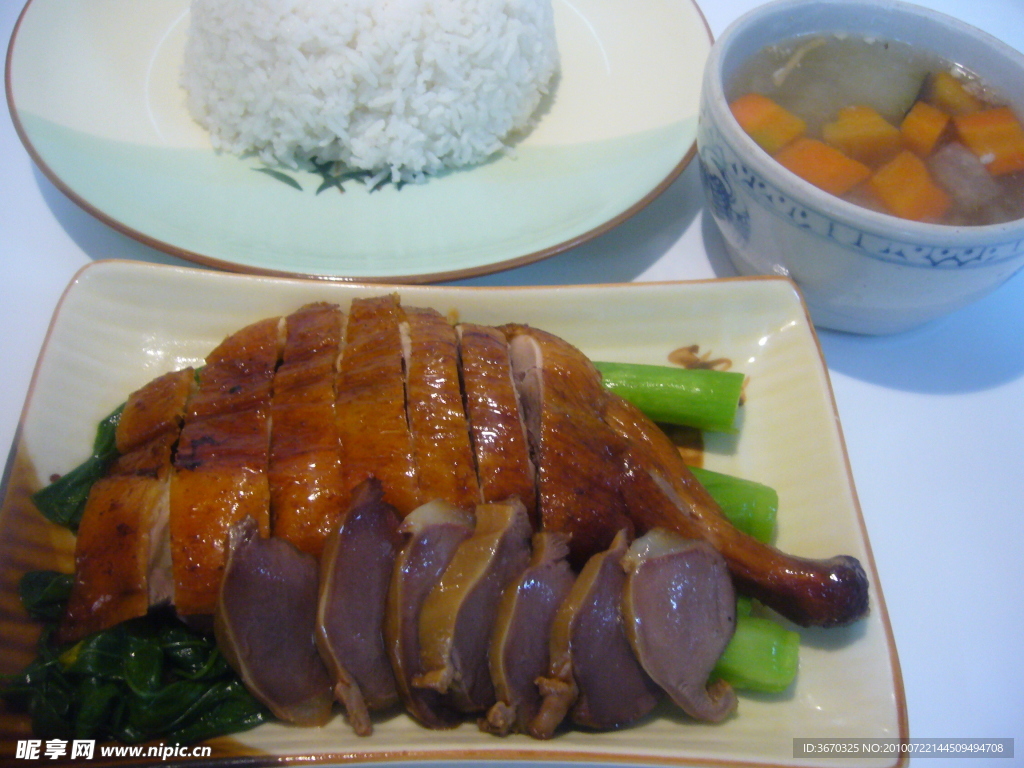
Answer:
(886, 126)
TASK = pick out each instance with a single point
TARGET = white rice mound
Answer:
(400, 88)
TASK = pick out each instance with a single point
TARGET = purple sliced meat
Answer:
(264, 623)
(432, 533)
(355, 574)
(680, 612)
(521, 639)
(458, 613)
(594, 677)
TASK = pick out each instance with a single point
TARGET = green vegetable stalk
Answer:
(762, 655)
(693, 397)
(751, 507)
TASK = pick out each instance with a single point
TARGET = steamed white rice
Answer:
(401, 88)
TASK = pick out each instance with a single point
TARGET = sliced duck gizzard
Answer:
(355, 573)
(679, 608)
(520, 641)
(432, 533)
(458, 613)
(593, 676)
(264, 622)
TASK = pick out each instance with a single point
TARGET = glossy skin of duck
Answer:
(154, 410)
(431, 533)
(665, 494)
(520, 641)
(373, 429)
(220, 470)
(437, 418)
(458, 613)
(679, 608)
(355, 573)
(500, 443)
(578, 457)
(627, 469)
(264, 621)
(121, 549)
(306, 494)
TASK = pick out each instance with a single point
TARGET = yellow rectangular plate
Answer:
(120, 324)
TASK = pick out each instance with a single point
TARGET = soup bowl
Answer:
(858, 269)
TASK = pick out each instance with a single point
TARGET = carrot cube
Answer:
(922, 128)
(863, 134)
(995, 136)
(947, 93)
(906, 189)
(766, 122)
(823, 166)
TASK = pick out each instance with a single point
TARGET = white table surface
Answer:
(933, 419)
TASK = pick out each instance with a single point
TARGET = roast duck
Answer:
(375, 506)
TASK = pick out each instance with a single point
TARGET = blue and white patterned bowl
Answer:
(859, 270)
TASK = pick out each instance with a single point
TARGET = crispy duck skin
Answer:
(520, 640)
(458, 613)
(306, 495)
(112, 550)
(122, 537)
(593, 675)
(220, 469)
(665, 494)
(680, 613)
(500, 443)
(264, 622)
(431, 532)
(373, 429)
(355, 574)
(578, 456)
(154, 410)
(437, 417)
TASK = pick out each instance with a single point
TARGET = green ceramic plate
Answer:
(94, 93)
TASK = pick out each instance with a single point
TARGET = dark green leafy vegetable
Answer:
(63, 500)
(751, 507)
(695, 397)
(44, 594)
(144, 679)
